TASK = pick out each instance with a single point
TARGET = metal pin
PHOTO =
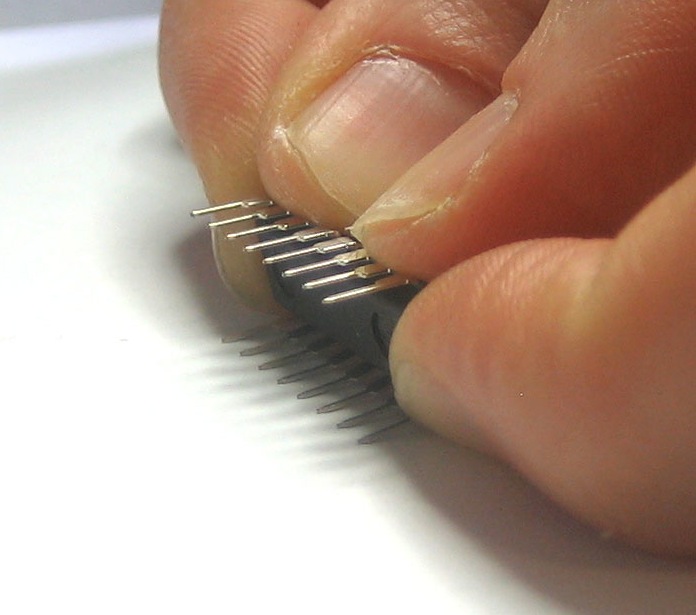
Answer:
(342, 403)
(373, 387)
(303, 236)
(391, 281)
(227, 206)
(312, 348)
(287, 225)
(352, 374)
(276, 327)
(336, 359)
(364, 272)
(377, 435)
(339, 243)
(286, 256)
(322, 247)
(286, 360)
(360, 419)
(274, 343)
(277, 214)
(342, 260)
(246, 335)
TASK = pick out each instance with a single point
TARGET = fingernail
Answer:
(377, 120)
(434, 180)
(424, 398)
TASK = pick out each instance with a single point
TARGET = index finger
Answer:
(218, 62)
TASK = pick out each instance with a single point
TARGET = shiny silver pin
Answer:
(231, 206)
(391, 281)
(335, 244)
(304, 236)
(363, 272)
(274, 213)
(353, 258)
(286, 225)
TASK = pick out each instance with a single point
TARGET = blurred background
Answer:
(18, 13)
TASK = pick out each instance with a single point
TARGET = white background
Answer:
(28, 12)
(147, 468)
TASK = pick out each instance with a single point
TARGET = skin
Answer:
(550, 201)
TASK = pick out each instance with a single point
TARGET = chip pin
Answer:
(275, 214)
(285, 225)
(353, 258)
(213, 209)
(372, 387)
(388, 407)
(302, 236)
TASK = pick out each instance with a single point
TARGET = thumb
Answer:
(595, 118)
(372, 86)
(575, 361)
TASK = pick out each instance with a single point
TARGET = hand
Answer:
(536, 164)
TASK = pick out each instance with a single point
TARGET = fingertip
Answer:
(511, 352)
(475, 338)
(480, 357)
(218, 63)
(243, 273)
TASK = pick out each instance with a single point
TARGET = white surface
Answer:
(15, 13)
(147, 468)
(44, 46)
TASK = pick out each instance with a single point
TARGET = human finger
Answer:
(218, 62)
(596, 117)
(376, 84)
(575, 361)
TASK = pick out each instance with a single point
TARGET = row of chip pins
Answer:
(295, 238)
(333, 359)
(317, 241)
